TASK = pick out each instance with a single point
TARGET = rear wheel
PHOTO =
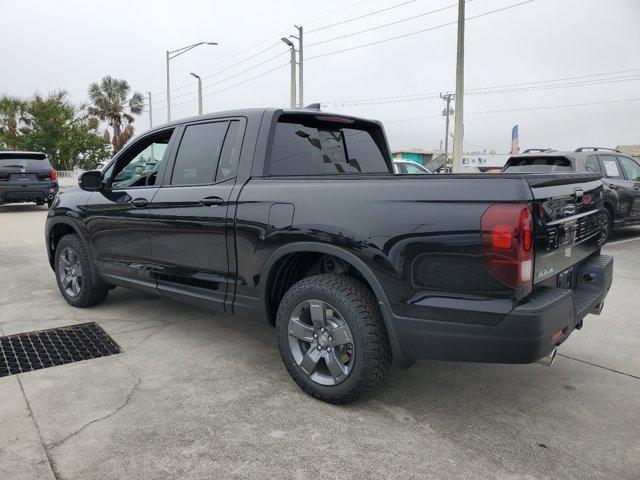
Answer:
(332, 338)
(607, 226)
(73, 273)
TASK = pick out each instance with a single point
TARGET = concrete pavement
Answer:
(200, 395)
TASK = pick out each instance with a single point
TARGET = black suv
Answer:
(620, 177)
(27, 177)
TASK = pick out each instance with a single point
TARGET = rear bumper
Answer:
(28, 193)
(523, 336)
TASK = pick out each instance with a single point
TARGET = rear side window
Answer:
(228, 164)
(538, 165)
(591, 164)
(197, 156)
(317, 148)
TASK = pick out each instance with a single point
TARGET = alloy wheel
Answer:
(321, 342)
(70, 272)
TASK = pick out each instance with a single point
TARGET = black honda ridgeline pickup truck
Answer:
(293, 217)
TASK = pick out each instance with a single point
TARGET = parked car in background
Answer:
(295, 218)
(620, 177)
(407, 166)
(27, 177)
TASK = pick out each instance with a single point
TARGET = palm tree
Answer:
(111, 103)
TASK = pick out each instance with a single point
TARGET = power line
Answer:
(418, 31)
(361, 16)
(185, 85)
(359, 46)
(519, 87)
(234, 85)
(431, 12)
(540, 107)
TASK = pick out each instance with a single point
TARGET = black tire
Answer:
(358, 307)
(39, 202)
(89, 294)
(607, 226)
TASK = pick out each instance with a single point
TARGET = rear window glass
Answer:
(197, 156)
(22, 161)
(538, 165)
(314, 148)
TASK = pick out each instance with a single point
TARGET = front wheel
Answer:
(332, 337)
(73, 273)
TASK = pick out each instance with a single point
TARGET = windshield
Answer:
(538, 165)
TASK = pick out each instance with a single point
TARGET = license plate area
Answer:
(564, 279)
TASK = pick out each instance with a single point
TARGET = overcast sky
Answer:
(64, 44)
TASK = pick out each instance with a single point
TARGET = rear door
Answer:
(189, 214)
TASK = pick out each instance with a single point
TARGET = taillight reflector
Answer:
(54, 175)
(507, 243)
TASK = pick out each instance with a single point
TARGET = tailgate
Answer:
(568, 223)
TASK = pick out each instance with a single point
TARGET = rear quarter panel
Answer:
(419, 235)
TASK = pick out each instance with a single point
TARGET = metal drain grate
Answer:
(25, 352)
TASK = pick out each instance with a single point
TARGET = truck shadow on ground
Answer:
(624, 233)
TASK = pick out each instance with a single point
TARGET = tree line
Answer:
(72, 135)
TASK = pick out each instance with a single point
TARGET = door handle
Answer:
(139, 202)
(211, 201)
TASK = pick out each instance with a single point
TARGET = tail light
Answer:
(53, 176)
(507, 243)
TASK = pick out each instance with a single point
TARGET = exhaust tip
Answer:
(548, 359)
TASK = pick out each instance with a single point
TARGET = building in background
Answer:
(417, 155)
(631, 150)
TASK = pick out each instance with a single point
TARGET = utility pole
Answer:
(293, 70)
(199, 92)
(150, 111)
(300, 68)
(459, 127)
(447, 113)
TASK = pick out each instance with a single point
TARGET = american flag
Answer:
(514, 140)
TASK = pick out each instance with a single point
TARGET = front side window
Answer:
(631, 168)
(308, 147)
(138, 166)
(198, 153)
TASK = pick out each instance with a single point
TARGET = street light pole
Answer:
(459, 127)
(171, 54)
(300, 68)
(293, 70)
(150, 111)
(199, 93)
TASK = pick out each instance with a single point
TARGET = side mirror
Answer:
(90, 181)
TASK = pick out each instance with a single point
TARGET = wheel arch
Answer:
(291, 252)
(60, 228)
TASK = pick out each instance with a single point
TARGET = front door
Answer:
(189, 215)
(631, 171)
(117, 217)
(615, 180)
